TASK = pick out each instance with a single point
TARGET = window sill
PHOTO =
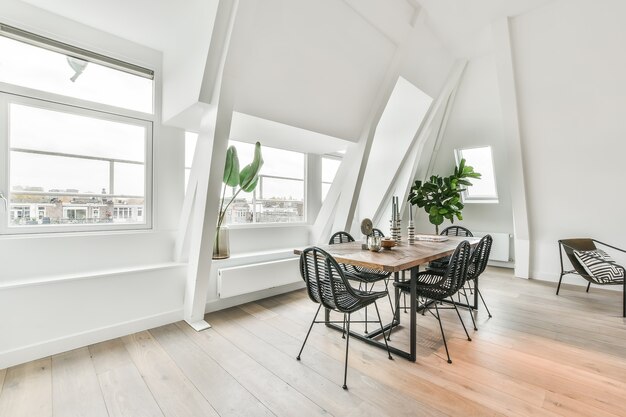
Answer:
(265, 225)
(66, 233)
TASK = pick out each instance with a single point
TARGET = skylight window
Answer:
(483, 190)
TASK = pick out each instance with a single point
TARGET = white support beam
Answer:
(434, 122)
(351, 187)
(200, 210)
(511, 129)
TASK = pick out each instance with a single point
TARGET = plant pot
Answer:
(221, 248)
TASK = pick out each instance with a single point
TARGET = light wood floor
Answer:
(539, 355)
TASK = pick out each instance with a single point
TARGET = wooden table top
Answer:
(399, 258)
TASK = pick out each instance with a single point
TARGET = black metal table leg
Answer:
(413, 305)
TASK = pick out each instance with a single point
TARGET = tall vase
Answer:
(221, 248)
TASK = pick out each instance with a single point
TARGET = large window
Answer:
(484, 189)
(72, 164)
(279, 195)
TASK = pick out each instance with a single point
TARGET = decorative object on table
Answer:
(395, 229)
(441, 197)
(374, 243)
(247, 180)
(388, 243)
(367, 227)
(593, 264)
(431, 238)
(411, 228)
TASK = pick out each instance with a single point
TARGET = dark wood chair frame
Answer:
(569, 246)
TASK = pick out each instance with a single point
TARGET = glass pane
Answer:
(128, 179)
(481, 160)
(280, 189)
(277, 162)
(38, 68)
(45, 173)
(56, 177)
(329, 169)
(279, 201)
(54, 131)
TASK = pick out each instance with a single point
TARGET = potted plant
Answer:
(246, 180)
(441, 197)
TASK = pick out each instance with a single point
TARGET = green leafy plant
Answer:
(246, 179)
(441, 196)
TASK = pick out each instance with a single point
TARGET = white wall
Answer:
(570, 65)
(475, 120)
(61, 291)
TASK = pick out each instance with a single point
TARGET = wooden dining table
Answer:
(403, 257)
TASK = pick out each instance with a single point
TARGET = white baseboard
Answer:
(77, 340)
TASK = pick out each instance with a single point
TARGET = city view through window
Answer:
(279, 195)
(74, 169)
(70, 162)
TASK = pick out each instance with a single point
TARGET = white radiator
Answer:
(245, 279)
(500, 247)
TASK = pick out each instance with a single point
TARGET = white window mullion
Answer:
(5, 207)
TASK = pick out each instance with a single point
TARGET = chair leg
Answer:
(461, 318)
(309, 332)
(345, 371)
(394, 317)
(343, 334)
(588, 286)
(470, 309)
(443, 335)
(484, 303)
(386, 282)
(559, 286)
(382, 330)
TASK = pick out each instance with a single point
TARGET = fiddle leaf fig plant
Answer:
(441, 196)
(247, 179)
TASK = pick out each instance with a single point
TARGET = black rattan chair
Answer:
(456, 231)
(378, 233)
(433, 286)
(477, 264)
(586, 244)
(441, 264)
(328, 286)
(366, 277)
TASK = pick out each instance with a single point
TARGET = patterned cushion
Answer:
(599, 265)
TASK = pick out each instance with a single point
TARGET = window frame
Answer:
(495, 199)
(49, 101)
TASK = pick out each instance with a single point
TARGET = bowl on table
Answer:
(387, 243)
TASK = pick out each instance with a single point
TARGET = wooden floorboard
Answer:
(539, 355)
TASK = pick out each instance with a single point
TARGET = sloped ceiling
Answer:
(316, 65)
(461, 23)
